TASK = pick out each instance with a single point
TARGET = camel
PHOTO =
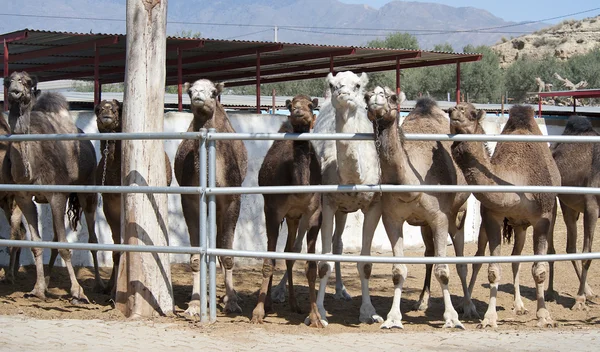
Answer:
(416, 163)
(570, 85)
(516, 211)
(232, 164)
(347, 162)
(50, 163)
(578, 164)
(108, 172)
(291, 163)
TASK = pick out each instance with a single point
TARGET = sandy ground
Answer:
(60, 324)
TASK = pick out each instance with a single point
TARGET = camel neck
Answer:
(16, 111)
(205, 119)
(301, 170)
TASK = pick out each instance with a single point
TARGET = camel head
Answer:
(22, 88)
(464, 118)
(382, 105)
(347, 89)
(301, 110)
(203, 95)
(108, 115)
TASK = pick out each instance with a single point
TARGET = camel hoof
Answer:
(342, 295)
(372, 319)
(453, 324)
(580, 306)
(35, 294)
(421, 305)
(392, 324)
(470, 312)
(257, 320)
(322, 323)
(487, 323)
(232, 307)
(546, 323)
(521, 311)
(278, 294)
(193, 309)
(77, 301)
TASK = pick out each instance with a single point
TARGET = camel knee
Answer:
(399, 273)
(227, 262)
(325, 269)
(539, 272)
(365, 269)
(267, 268)
(494, 273)
(194, 262)
(65, 254)
(311, 271)
(442, 273)
(462, 269)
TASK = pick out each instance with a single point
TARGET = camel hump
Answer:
(425, 105)
(521, 117)
(51, 102)
(578, 125)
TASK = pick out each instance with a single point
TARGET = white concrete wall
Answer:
(250, 233)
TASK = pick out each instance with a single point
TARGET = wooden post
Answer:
(144, 282)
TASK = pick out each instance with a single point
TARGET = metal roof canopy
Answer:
(100, 58)
(575, 94)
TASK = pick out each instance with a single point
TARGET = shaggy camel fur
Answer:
(108, 173)
(579, 166)
(292, 163)
(50, 163)
(232, 163)
(347, 162)
(417, 163)
(513, 163)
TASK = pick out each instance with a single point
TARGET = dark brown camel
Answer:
(291, 163)
(232, 163)
(50, 163)
(108, 173)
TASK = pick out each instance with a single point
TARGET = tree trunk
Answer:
(144, 283)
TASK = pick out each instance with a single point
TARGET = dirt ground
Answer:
(342, 315)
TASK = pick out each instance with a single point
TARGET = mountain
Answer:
(561, 41)
(299, 21)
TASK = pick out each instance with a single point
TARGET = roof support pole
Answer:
(96, 75)
(258, 82)
(179, 81)
(457, 82)
(539, 106)
(398, 78)
(5, 75)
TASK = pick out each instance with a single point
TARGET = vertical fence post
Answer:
(5, 75)
(203, 243)
(212, 226)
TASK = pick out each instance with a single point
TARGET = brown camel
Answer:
(418, 163)
(292, 163)
(579, 166)
(50, 163)
(232, 163)
(11, 211)
(513, 163)
(108, 173)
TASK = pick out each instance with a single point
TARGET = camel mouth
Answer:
(198, 102)
(16, 94)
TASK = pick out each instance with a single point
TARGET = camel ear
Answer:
(97, 108)
(368, 96)
(34, 82)
(288, 105)
(480, 115)
(186, 87)
(6, 82)
(312, 123)
(118, 104)
(364, 79)
(315, 103)
(219, 87)
(401, 98)
(330, 78)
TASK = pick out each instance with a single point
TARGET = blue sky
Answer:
(514, 10)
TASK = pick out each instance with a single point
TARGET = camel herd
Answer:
(388, 159)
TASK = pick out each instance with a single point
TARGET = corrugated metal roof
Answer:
(62, 55)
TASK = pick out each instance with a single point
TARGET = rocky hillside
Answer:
(561, 41)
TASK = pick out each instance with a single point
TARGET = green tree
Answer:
(520, 77)
(392, 41)
(482, 80)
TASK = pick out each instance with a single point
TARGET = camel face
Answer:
(301, 112)
(382, 105)
(464, 118)
(108, 115)
(347, 89)
(20, 87)
(203, 94)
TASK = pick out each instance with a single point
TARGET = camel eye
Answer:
(357, 86)
(330, 86)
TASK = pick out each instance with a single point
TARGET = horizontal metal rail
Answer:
(98, 189)
(300, 256)
(295, 136)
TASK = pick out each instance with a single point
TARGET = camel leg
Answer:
(520, 236)
(393, 228)
(272, 220)
(368, 314)
(89, 203)
(278, 293)
(324, 267)
(52, 260)
(551, 294)
(292, 226)
(190, 206)
(493, 231)
(482, 241)
(112, 212)
(58, 204)
(338, 248)
(311, 270)
(590, 217)
(467, 306)
(30, 212)
(440, 228)
(225, 234)
(539, 270)
(423, 302)
(17, 232)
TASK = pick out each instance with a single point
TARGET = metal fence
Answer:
(207, 191)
